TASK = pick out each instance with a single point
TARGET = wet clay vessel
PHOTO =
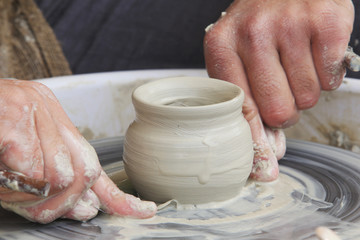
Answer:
(189, 141)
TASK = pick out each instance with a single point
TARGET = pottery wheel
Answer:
(327, 194)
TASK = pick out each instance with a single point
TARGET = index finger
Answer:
(114, 201)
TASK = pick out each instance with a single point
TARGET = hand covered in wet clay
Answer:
(39, 140)
(282, 53)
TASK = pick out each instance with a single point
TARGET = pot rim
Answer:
(149, 96)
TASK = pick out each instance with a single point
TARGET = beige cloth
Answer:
(28, 46)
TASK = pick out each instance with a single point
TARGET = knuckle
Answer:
(91, 163)
(292, 25)
(305, 88)
(17, 96)
(255, 30)
(213, 35)
(42, 90)
(217, 48)
(328, 18)
(21, 95)
(92, 175)
(64, 171)
(217, 39)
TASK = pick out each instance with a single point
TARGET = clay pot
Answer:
(189, 141)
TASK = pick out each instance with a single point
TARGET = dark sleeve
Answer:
(110, 35)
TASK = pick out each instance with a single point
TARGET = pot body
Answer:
(189, 142)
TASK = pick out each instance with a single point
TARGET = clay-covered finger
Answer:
(86, 208)
(265, 166)
(116, 202)
(57, 158)
(277, 141)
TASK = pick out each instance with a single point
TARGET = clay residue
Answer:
(333, 121)
(339, 138)
(263, 210)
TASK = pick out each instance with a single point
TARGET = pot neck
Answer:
(190, 117)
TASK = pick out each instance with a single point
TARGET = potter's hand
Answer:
(282, 53)
(38, 140)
